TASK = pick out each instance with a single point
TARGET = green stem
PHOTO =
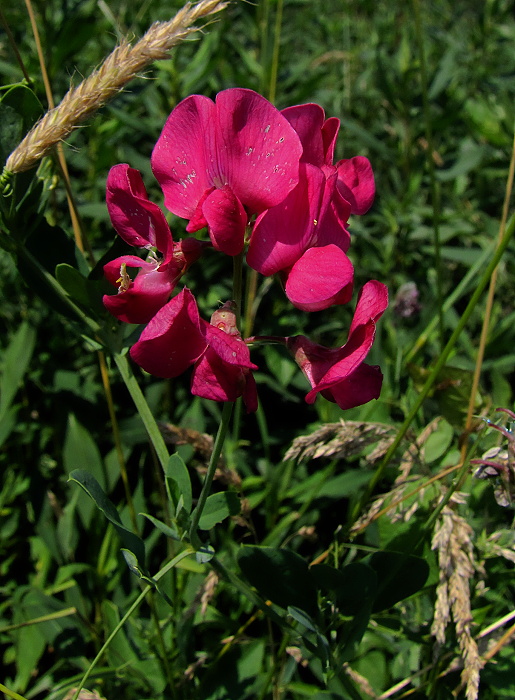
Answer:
(510, 230)
(11, 693)
(213, 462)
(435, 195)
(275, 54)
(456, 294)
(143, 409)
(133, 608)
(237, 284)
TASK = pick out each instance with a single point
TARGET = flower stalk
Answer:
(213, 462)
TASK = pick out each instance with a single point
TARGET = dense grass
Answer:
(427, 94)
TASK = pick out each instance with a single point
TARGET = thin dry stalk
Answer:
(396, 495)
(360, 681)
(123, 64)
(453, 541)
(489, 303)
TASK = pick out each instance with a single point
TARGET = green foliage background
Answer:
(439, 137)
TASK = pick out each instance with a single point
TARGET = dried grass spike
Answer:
(343, 439)
(121, 66)
(453, 540)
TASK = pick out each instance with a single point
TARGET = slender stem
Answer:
(510, 230)
(11, 693)
(237, 284)
(133, 608)
(456, 294)
(116, 437)
(161, 644)
(275, 55)
(435, 195)
(252, 280)
(237, 291)
(77, 229)
(213, 463)
(489, 303)
(14, 47)
(143, 409)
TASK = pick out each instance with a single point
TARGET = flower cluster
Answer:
(252, 175)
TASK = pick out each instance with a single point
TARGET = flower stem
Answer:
(143, 409)
(237, 284)
(213, 462)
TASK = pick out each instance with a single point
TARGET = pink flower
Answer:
(305, 240)
(141, 223)
(177, 338)
(340, 374)
(218, 162)
(355, 179)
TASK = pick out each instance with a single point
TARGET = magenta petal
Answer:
(329, 136)
(250, 396)
(347, 360)
(258, 150)
(223, 371)
(226, 219)
(112, 269)
(133, 306)
(172, 340)
(184, 157)
(213, 379)
(372, 302)
(363, 385)
(308, 122)
(139, 222)
(356, 183)
(144, 296)
(320, 278)
(230, 348)
(282, 234)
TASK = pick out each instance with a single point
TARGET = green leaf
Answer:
(453, 392)
(438, 442)
(399, 576)
(321, 648)
(178, 484)
(81, 290)
(7, 423)
(469, 157)
(163, 527)
(80, 450)
(352, 588)
(15, 362)
(204, 554)
(218, 507)
(91, 486)
(280, 575)
(19, 109)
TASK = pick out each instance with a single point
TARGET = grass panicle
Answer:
(453, 541)
(119, 68)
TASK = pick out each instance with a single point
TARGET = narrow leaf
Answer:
(91, 486)
(218, 507)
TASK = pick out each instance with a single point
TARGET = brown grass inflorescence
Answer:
(453, 540)
(121, 66)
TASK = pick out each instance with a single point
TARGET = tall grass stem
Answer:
(489, 301)
(435, 192)
(442, 359)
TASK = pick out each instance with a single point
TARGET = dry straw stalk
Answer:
(123, 64)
